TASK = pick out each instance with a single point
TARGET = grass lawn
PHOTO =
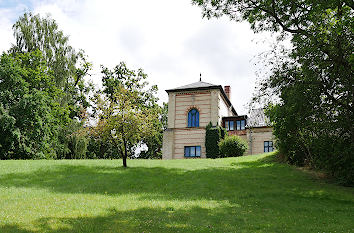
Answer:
(246, 194)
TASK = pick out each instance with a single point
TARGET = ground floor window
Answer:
(192, 151)
(268, 146)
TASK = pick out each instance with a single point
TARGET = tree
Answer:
(153, 140)
(313, 120)
(128, 110)
(43, 95)
(69, 66)
(30, 117)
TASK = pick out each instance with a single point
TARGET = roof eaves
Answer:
(192, 89)
(208, 88)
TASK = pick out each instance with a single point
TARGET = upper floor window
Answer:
(193, 118)
(229, 125)
(240, 124)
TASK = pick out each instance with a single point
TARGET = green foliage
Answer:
(129, 113)
(78, 146)
(99, 148)
(43, 96)
(29, 114)
(223, 132)
(68, 66)
(313, 119)
(44, 100)
(213, 135)
(153, 141)
(9, 143)
(164, 115)
(232, 146)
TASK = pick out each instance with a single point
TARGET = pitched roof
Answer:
(196, 85)
(204, 86)
(257, 118)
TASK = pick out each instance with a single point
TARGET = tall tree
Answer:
(32, 32)
(30, 117)
(128, 110)
(313, 121)
(49, 74)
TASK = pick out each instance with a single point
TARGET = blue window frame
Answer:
(192, 151)
(229, 125)
(193, 118)
(240, 125)
(268, 146)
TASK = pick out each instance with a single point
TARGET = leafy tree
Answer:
(153, 141)
(128, 111)
(313, 120)
(164, 116)
(69, 66)
(29, 115)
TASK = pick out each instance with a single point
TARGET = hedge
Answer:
(232, 146)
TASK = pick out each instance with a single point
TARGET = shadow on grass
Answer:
(226, 183)
(259, 195)
(141, 220)
(193, 219)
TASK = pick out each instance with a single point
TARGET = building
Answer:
(193, 106)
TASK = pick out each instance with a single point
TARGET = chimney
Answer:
(227, 90)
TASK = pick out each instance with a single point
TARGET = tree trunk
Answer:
(125, 154)
(124, 161)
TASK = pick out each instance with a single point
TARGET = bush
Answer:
(213, 136)
(315, 139)
(232, 146)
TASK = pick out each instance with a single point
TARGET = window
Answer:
(268, 146)
(240, 124)
(192, 151)
(229, 125)
(193, 118)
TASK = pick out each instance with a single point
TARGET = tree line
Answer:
(313, 80)
(49, 110)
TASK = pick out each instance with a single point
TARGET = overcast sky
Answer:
(169, 39)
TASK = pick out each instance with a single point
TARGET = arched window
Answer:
(193, 118)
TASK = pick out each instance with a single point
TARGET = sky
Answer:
(168, 39)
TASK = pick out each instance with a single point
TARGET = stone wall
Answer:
(168, 144)
(188, 137)
(223, 109)
(256, 138)
(185, 101)
(178, 135)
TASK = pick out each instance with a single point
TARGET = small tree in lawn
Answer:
(128, 110)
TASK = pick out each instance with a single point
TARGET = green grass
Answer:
(246, 194)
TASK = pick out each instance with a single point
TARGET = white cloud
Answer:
(168, 39)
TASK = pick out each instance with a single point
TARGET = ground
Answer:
(246, 194)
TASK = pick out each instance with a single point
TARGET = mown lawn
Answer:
(247, 194)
